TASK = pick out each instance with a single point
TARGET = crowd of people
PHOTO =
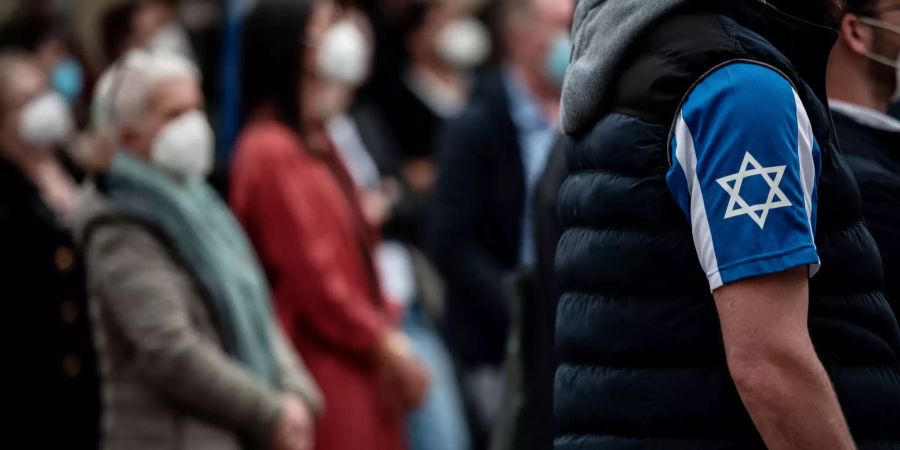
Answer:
(230, 227)
(451, 224)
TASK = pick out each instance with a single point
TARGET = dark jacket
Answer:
(874, 156)
(405, 222)
(642, 360)
(415, 124)
(474, 225)
(539, 318)
(55, 381)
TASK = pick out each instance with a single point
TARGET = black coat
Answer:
(474, 223)
(55, 384)
(874, 157)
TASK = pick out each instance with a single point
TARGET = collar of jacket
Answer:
(595, 61)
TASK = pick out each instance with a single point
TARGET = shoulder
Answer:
(743, 94)
(102, 229)
(92, 207)
(692, 34)
(667, 61)
(267, 140)
(481, 118)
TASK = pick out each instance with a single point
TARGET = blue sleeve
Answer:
(745, 166)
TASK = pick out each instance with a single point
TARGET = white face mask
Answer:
(895, 63)
(344, 55)
(463, 43)
(46, 121)
(184, 146)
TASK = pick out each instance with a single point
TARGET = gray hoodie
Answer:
(602, 32)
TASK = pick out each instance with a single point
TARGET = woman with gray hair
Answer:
(190, 354)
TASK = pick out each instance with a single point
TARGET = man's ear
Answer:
(856, 35)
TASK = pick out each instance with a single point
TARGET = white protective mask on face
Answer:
(184, 146)
(344, 56)
(46, 121)
(895, 63)
(463, 43)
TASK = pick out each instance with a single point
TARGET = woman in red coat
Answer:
(299, 207)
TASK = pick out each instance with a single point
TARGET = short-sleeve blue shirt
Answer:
(744, 171)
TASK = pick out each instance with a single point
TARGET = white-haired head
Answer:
(124, 90)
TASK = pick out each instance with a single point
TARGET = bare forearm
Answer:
(794, 405)
(771, 357)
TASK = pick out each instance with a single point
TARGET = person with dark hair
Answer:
(149, 24)
(53, 362)
(720, 287)
(863, 78)
(56, 54)
(299, 205)
(117, 30)
(444, 44)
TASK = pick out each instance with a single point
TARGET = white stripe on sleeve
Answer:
(687, 159)
(807, 165)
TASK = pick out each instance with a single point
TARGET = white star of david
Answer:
(732, 185)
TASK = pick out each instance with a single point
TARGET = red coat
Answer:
(301, 212)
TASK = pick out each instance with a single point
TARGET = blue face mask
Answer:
(557, 60)
(67, 79)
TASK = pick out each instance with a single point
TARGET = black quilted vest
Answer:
(642, 361)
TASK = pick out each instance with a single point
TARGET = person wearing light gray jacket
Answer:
(190, 354)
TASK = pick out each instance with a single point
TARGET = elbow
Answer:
(755, 380)
(765, 375)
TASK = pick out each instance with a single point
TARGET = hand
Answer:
(421, 174)
(92, 152)
(403, 376)
(294, 429)
(376, 207)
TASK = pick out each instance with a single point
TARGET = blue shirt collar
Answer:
(524, 109)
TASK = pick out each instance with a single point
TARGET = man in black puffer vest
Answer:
(720, 290)
(862, 79)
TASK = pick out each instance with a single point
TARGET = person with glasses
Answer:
(863, 79)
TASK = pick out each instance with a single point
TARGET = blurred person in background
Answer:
(538, 316)
(300, 207)
(863, 76)
(444, 43)
(148, 24)
(720, 288)
(55, 52)
(191, 354)
(481, 230)
(117, 30)
(366, 149)
(66, 73)
(156, 27)
(56, 399)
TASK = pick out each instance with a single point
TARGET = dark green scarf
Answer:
(204, 234)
